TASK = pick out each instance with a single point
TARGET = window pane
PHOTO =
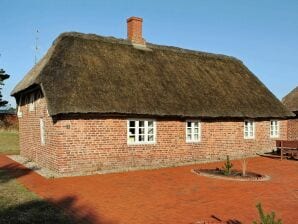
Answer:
(188, 137)
(141, 138)
(189, 124)
(132, 139)
(196, 131)
(132, 131)
(150, 123)
(141, 130)
(150, 138)
(132, 123)
(150, 131)
(188, 131)
(196, 124)
(141, 123)
(196, 137)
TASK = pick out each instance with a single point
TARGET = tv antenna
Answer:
(36, 46)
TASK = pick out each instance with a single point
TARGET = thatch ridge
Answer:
(111, 39)
(87, 73)
(291, 100)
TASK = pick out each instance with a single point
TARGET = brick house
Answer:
(97, 103)
(291, 102)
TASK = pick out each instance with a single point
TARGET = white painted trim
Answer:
(146, 142)
(253, 129)
(42, 131)
(192, 132)
(278, 129)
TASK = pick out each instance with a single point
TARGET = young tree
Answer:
(3, 76)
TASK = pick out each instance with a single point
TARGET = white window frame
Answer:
(42, 131)
(249, 136)
(274, 129)
(192, 132)
(137, 142)
(31, 102)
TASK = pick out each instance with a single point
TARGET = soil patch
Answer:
(235, 175)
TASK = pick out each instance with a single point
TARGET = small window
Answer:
(42, 132)
(31, 102)
(274, 129)
(193, 131)
(249, 129)
(141, 132)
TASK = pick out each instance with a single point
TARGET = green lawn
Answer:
(18, 205)
(9, 142)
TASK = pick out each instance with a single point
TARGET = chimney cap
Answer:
(134, 18)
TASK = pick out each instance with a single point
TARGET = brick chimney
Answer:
(134, 30)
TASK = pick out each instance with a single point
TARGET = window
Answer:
(274, 129)
(31, 102)
(249, 129)
(42, 132)
(141, 132)
(193, 131)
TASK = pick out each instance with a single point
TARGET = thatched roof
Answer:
(85, 73)
(291, 100)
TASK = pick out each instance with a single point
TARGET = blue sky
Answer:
(261, 33)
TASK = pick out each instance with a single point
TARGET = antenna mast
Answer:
(36, 46)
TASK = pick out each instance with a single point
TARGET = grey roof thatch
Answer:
(85, 73)
(291, 100)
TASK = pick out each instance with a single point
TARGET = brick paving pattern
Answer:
(171, 195)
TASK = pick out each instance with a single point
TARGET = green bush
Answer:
(266, 218)
(227, 167)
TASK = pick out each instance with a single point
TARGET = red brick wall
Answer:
(30, 140)
(89, 143)
(292, 129)
(101, 144)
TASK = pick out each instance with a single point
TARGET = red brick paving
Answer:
(173, 195)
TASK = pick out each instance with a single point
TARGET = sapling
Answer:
(244, 162)
(227, 167)
(266, 218)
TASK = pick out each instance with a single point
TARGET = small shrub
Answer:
(227, 167)
(266, 218)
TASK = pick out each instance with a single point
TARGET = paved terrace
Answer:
(170, 195)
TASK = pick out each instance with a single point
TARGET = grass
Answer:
(9, 142)
(19, 205)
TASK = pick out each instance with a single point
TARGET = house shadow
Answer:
(12, 171)
(45, 211)
(50, 211)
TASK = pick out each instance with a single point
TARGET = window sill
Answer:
(249, 138)
(141, 143)
(193, 142)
